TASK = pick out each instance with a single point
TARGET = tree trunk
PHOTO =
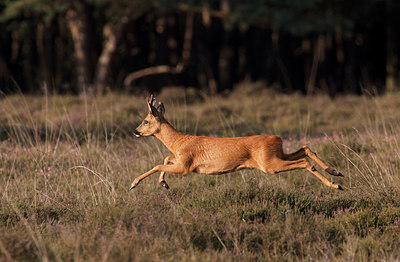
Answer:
(225, 54)
(112, 37)
(43, 56)
(318, 48)
(391, 60)
(77, 22)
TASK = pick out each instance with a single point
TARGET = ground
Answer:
(66, 164)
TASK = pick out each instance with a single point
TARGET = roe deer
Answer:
(211, 155)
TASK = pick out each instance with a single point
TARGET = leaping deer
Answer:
(211, 155)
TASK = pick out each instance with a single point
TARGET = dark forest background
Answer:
(98, 46)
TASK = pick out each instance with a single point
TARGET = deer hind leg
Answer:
(306, 151)
(317, 160)
(301, 153)
(168, 160)
(287, 165)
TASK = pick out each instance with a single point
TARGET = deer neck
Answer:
(169, 136)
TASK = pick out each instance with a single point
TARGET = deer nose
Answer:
(136, 133)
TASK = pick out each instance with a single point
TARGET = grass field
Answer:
(66, 164)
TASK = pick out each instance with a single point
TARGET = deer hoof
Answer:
(164, 184)
(134, 184)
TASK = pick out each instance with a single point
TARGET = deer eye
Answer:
(145, 122)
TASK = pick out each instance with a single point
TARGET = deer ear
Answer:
(153, 110)
(160, 108)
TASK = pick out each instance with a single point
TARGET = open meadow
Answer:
(66, 164)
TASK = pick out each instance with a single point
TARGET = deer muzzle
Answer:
(136, 133)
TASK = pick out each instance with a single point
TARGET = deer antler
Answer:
(150, 103)
(156, 110)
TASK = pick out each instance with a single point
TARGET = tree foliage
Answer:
(308, 45)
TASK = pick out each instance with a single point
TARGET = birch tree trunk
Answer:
(112, 36)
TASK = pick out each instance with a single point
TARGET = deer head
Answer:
(152, 122)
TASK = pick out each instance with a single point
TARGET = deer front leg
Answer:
(176, 168)
(161, 179)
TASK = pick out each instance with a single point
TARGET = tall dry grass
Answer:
(66, 164)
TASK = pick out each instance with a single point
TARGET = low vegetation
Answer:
(66, 164)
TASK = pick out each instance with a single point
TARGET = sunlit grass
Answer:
(66, 164)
